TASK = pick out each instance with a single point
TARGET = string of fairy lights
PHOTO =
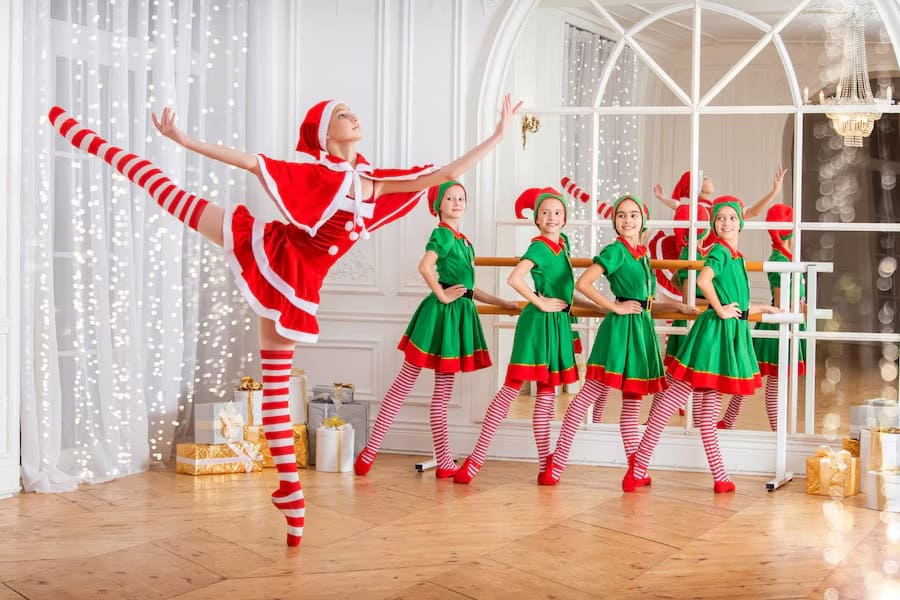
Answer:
(139, 316)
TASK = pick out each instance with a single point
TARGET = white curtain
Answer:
(128, 316)
(585, 56)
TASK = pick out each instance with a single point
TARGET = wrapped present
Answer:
(879, 450)
(886, 492)
(217, 459)
(334, 446)
(336, 393)
(831, 473)
(255, 434)
(851, 446)
(355, 413)
(219, 422)
(297, 392)
(245, 392)
(876, 412)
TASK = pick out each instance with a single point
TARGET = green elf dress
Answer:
(675, 342)
(767, 348)
(447, 337)
(543, 346)
(718, 353)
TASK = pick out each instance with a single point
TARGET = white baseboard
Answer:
(745, 452)
(9, 481)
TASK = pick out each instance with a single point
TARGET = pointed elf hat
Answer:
(532, 198)
(436, 195)
(780, 213)
(645, 212)
(683, 213)
(721, 202)
(314, 128)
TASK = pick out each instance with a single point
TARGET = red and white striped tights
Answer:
(737, 402)
(390, 406)
(705, 414)
(276, 420)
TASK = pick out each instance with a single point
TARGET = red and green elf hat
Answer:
(436, 195)
(645, 212)
(723, 201)
(683, 213)
(532, 198)
(780, 213)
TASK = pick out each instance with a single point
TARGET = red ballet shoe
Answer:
(440, 473)
(467, 471)
(630, 482)
(723, 487)
(722, 425)
(361, 467)
(681, 412)
(546, 477)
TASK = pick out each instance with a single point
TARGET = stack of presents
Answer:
(869, 461)
(229, 437)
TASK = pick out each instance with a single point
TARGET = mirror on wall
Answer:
(618, 118)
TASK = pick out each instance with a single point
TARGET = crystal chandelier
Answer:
(853, 88)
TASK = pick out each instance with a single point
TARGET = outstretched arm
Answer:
(165, 124)
(455, 169)
(761, 204)
(661, 196)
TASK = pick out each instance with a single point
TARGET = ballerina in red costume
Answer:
(331, 197)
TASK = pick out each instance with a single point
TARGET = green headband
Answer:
(442, 189)
(544, 196)
(717, 206)
(643, 210)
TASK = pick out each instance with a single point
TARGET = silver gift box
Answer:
(355, 413)
(873, 413)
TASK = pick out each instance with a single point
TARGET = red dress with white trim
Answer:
(279, 267)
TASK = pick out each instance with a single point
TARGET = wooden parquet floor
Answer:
(397, 534)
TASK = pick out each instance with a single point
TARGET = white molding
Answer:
(10, 153)
(381, 74)
(745, 452)
(406, 81)
(374, 346)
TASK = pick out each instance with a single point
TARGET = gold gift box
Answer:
(216, 459)
(831, 473)
(255, 434)
(887, 492)
(851, 446)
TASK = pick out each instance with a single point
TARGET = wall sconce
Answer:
(530, 124)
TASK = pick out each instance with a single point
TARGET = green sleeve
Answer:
(536, 253)
(439, 242)
(611, 257)
(717, 259)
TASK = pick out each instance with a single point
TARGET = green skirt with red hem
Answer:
(445, 337)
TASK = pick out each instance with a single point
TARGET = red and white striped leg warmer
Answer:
(276, 419)
(712, 404)
(496, 412)
(540, 422)
(674, 398)
(628, 422)
(390, 406)
(578, 407)
(731, 413)
(772, 400)
(443, 388)
(184, 206)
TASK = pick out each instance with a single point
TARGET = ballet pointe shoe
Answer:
(361, 467)
(467, 471)
(547, 478)
(440, 473)
(722, 425)
(723, 487)
(630, 482)
(680, 412)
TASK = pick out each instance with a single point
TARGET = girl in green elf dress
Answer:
(625, 355)
(543, 343)
(717, 355)
(445, 332)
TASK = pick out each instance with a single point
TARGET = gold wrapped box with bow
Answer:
(851, 446)
(244, 392)
(218, 459)
(834, 474)
(255, 434)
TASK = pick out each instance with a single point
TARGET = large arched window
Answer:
(630, 95)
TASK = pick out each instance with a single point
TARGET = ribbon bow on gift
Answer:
(838, 468)
(339, 392)
(334, 422)
(249, 385)
(232, 422)
(246, 452)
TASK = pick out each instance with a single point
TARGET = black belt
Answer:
(470, 294)
(745, 314)
(645, 304)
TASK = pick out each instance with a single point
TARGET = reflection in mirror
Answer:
(558, 65)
